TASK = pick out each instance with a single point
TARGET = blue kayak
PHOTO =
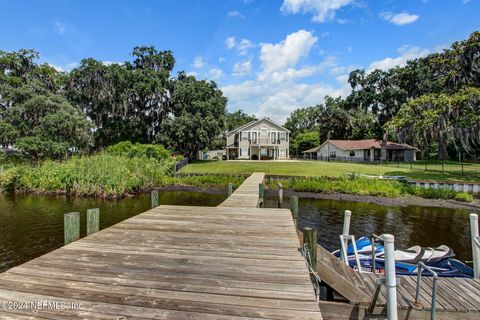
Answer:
(440, 259)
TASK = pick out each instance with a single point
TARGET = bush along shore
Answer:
(120, 174)
(367, 187)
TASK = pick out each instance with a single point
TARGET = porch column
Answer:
(228, 153)
(372, 151)
(249, 153)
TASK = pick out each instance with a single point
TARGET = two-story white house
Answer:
(258, 140)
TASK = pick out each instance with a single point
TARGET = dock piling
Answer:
(310, 239)
(71, 227)
(93, 220)
(230, 189)
(154, 198)
(280, 195)
(294, 209)
(261, 195)
(475, 244)
(390, 276)
(346, 231)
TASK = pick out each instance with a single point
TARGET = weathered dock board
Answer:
(457, 298)
(172, 262)
(246, 195)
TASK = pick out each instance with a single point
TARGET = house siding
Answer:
(264, 130)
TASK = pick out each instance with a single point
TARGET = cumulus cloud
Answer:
(406, 53)
(242, 68)
(322, 10)
(242, 46)
(287, 53)
(275, 92)
(215, 73)
(198, 62)
(399, 19)
(230, 42)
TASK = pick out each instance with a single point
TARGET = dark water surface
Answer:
(32, 225)
(413, 225)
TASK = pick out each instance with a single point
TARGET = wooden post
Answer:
(280, 195)
(93, 220)
(261, 195)
(310, 238)
(230, 189)
(154, 198)
(294, 209)
(71, 227)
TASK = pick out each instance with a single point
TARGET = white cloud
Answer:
(322, 10)
(235, 14)
(278, 101)
(221, 59)
(275, 92)
(242, 68)
(198, 62)
(59, 27)
(287, 53)
(399, 19)
(108, 62)
(406, 53)
(230, 42)
(215, 73)
(241, 46)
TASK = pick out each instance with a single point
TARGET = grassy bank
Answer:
(332, 169)
(101, 175)
(367, 187)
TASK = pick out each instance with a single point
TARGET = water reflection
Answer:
(425, 226)
(33, 225)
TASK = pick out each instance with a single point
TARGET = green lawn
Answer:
(452, 171)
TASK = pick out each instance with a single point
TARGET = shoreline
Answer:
(404, 201)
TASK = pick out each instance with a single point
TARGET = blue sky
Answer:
(269, 57)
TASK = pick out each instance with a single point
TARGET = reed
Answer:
(102, 175)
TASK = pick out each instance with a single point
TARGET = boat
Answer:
(439, 259)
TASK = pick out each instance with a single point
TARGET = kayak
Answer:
(440, 259)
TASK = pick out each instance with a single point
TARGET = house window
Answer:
(264, 130)
(352, 153)
(283, 153)
(283, 136)
(263, 152)
(273, 137)
(244, 152)
(254, 137)
(333, 154)
(244, 135)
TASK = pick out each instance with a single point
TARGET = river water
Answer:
(31, 225)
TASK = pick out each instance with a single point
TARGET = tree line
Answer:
(432, 103)
(45, 113)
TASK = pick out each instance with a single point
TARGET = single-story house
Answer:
(362, 150)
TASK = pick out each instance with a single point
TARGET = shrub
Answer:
(8, 179)
(131, 150)
(463, 196)
(101, 175)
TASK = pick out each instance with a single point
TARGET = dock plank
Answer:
(235, 261)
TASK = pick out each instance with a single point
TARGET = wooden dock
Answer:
(234, 261)
(246, 195)
(457, 298)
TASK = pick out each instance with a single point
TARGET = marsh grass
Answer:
(103, 175)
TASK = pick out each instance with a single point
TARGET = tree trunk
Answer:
(442, 148)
